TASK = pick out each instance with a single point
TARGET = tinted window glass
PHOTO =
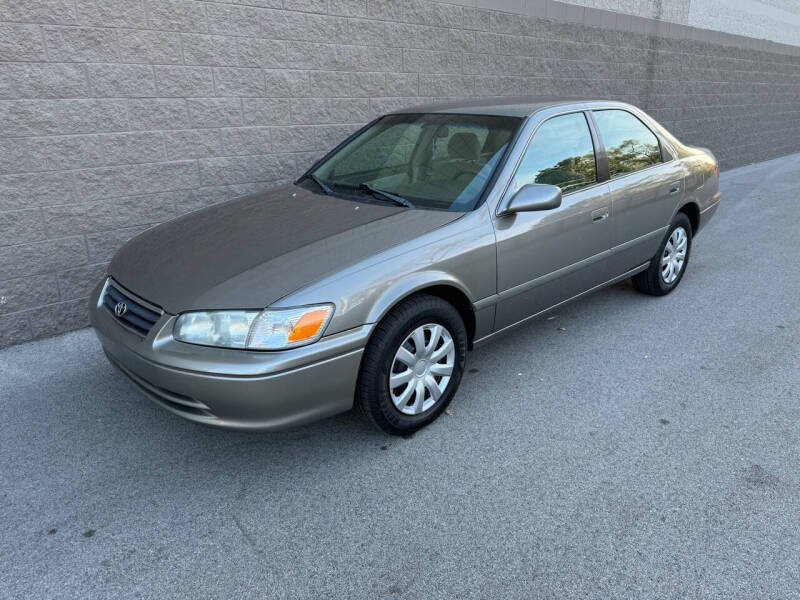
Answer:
(561, 154)
(630, 145)
(433, 160)
(384, 150)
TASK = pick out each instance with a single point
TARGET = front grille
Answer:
(135, 316)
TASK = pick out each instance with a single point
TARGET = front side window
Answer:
(630, 145)
(433, 160)
(561, 153)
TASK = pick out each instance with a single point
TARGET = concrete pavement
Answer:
(628, 447)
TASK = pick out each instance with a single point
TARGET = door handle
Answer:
(675, 188)
(600, 214)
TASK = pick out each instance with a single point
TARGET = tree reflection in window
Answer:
(630, 145)
(561, 154)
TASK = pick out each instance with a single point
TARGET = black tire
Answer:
(650, 281)
(372, 390)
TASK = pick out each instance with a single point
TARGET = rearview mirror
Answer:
(535, 196)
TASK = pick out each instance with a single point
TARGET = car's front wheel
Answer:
(667, 267)
(412, 365)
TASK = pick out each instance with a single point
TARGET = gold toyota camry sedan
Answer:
(426, 232)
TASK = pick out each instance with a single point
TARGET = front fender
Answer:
(411, 284)
(460, 255)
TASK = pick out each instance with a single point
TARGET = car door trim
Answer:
(542, 279)
(558, 273)
(638, 240)
(611, 281)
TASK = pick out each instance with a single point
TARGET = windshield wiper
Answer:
(386, 195)
(323, 186)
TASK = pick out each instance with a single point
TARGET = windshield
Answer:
(439, 161)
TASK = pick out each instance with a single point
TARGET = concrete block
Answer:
(111, 182)
(33, 258)
(239, 82)
(214, 112)
(266, 111)
(192, 143)
(81, 44)
(27, 292)
(154, 47)
(14, 329)
(112, 13)
(42, 80)
(19, 226)
(78, 282)
(130, 148)
(158, 113)
(121, 81)
(58, 318)
(23, 42)
(24, 190)
(177, 15)
(184, 82)
(245, 141)
(38, 11)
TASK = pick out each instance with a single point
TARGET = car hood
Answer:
(252, 251)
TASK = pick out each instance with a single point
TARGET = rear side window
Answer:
(630, 145)
(561, 154)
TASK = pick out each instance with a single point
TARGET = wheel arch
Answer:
(692, 211)
(442, 286)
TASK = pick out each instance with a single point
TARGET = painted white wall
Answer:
(775, 20)
(675, 11)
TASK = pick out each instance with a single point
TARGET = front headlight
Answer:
(269, 329)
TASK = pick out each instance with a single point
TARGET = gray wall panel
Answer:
(115, 116)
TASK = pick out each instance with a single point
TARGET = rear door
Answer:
(645, 185)
(547, 256)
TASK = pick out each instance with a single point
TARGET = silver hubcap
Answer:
(674, 256)
(421, 369)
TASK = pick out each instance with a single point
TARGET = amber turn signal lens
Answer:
(308, 326)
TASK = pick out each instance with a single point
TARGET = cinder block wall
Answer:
(119, 114)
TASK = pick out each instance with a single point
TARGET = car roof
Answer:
(506, 107)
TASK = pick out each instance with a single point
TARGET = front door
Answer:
(545, 257)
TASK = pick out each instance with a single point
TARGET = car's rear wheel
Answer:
(412, 365)
(667, 267)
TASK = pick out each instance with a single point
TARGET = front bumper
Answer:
(234, 388)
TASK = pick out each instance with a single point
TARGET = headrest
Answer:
(464, 145)
(494, 141)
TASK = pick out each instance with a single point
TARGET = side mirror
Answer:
(535, 196)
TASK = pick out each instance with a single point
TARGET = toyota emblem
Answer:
(120, 309)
